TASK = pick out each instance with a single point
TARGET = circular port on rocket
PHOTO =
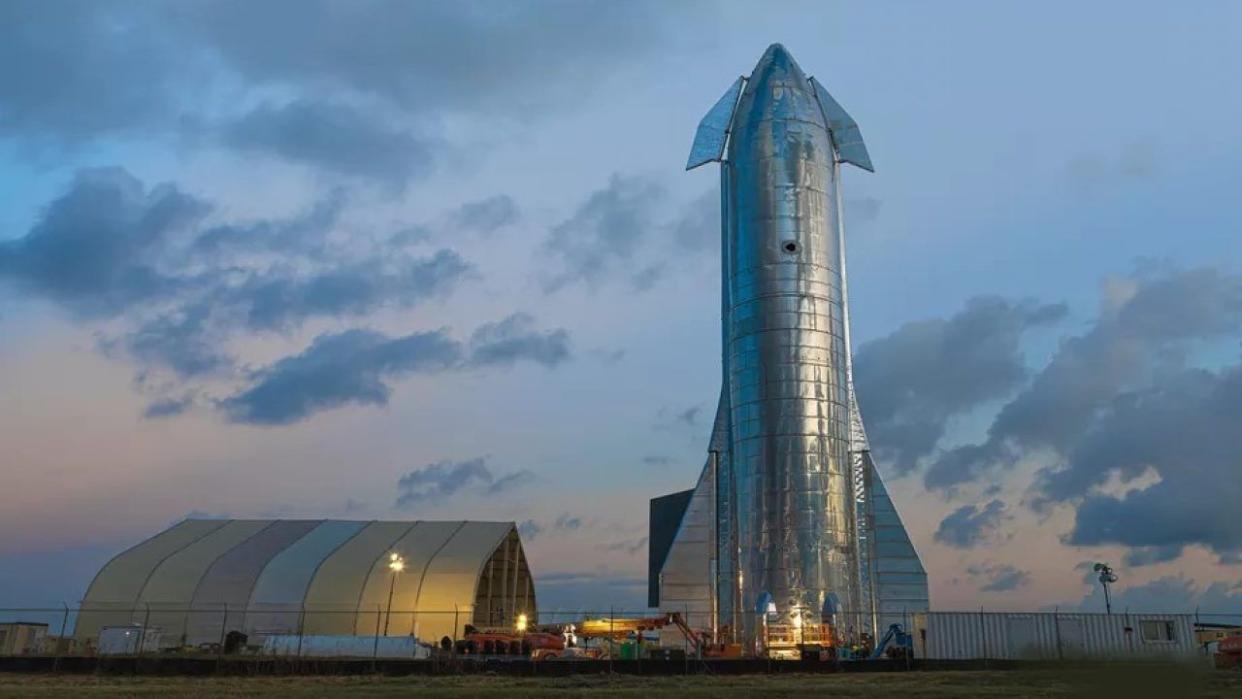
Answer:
(789, 246)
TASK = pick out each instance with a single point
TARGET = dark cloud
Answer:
(629, 546)
(147, 68)
(970, 525)
(441, 479)
(862, 209)
(698, 228)
(486, 216)
(1118, 402)
(605, 232)
(447, 478)
(303, 234)
(356, 367)
(912, 382)
(335, 137)
(1170, 594)
(181, 340)
(110, 247)
(671, 418)
(1150, 555)
(1003, 578)
(504, 58)
(1147, 322)
(1184, 429)
(648, 277)
(567, 523)
(529, 529)
(283, 299)
(338, 369)
(99, 249)
(95, 68)
(167, 407)
(510, 481)
(516, 339)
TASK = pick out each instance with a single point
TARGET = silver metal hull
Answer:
(785, 352)
(795, 539)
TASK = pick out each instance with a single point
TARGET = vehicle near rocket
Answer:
(789, 523)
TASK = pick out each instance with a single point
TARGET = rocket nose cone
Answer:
(778, 89)
(777, 59)
(776, 51)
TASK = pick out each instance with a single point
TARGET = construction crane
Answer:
(896, 644)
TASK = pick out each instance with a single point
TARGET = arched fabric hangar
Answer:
(200, 579)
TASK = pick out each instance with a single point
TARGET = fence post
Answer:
(685, 643)
(224, 630)
(375, 648)
(1056, 626)
(64, 622)
(1130, 636)
(983, 637)
(301, 626)
(142, 633)
(638, 648)
(909, 629)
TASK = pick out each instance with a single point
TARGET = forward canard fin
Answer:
(713, 133)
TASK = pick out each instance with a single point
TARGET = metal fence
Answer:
(159, 630)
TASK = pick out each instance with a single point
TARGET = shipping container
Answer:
(314, 646)
(1051, 635)
(21, 637)
(125, 640)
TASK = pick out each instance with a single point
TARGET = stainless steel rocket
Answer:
(789, 522)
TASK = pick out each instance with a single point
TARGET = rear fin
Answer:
(713, 132)
(845, 134)
(900, 582)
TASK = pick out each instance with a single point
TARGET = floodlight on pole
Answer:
(1107, 577)
(396, 564)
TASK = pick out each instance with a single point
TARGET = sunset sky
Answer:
(396, 260)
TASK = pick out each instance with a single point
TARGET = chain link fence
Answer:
(153, 630)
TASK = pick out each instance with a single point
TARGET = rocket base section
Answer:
(898, 579)
(682, 552)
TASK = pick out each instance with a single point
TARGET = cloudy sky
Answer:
(415, 260)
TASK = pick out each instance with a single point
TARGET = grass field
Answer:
(1167, 682)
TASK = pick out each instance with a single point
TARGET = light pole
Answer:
(1107, 577)
(396, 564)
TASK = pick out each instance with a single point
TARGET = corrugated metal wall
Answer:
(686, 577)
(1017, 635)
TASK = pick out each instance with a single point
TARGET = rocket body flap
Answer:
(713, 131)
(844, 130)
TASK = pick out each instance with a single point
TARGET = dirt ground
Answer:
(1167, 682)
